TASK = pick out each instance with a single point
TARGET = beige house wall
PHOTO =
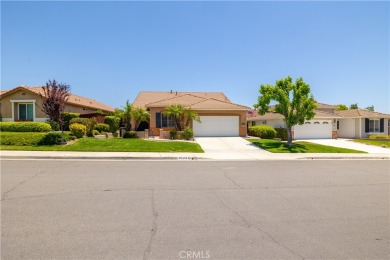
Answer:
(241, 114)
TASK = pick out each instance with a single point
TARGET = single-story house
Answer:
(24, 104)
(329, 123)
(218, 115)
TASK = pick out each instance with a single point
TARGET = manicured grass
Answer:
(113, 145)
(373, 142)
(274, 146)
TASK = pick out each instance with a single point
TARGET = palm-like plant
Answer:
(190, 115)
(139, 115)
(175, 111)
(126, 116)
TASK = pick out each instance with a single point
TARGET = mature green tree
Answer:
(294, 102)
(177, 112)
(190, 115)
(354, 106)
(139, 114)
(370, 108)
(341, 107)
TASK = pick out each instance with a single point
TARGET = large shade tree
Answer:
(54, 98)
(293, 100)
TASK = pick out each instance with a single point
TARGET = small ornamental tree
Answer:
(54, 98)
(294, 102)
(139, 114)
(354, 106)
(341, 107)
(175, 111)
(190, 115)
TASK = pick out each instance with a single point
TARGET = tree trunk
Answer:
(289, 135)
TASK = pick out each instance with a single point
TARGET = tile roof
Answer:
(323, 105)
(272, 115)
(357, 113)
(195, 100)
(147, 97)
(73, 99)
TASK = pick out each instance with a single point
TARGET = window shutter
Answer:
(382, 125)
(367, 125)
(158, 120)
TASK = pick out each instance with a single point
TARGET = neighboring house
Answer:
(329, 123)
(24, 104)
(218, 115)
(359, 123)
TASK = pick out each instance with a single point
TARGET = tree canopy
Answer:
(293, 100)
(370, 108)
(354, 106)
(341, 107)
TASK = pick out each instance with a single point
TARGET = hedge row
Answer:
(262, 131)
(24, 127)
(24, 138)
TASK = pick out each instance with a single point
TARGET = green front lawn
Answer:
(274, 146)
(113, 145)
(373, 142)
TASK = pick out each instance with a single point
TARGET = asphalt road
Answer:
(198, 210)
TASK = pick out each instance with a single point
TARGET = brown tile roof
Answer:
(73, 99)
(323, 105)
(147, 97)
(272, 115)
(195, 100)
(357, 113)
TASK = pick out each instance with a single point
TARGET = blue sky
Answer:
(109, 51)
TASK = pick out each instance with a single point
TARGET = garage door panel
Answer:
(217, 126)
(313, 131)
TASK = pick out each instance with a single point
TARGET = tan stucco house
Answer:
(329, 123)
(218, 115)
(24, 104)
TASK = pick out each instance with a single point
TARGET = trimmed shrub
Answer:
(281, 133)
(79, 120)
(54, 125)
(91, 123)
(173, 134)
(95, 132)
(55, 137)
(379, 136)
(130, 134)
(67, 116)
(24, 127)
(102, 128)
(20, 138)
(113, 122)
(262, 131)
(187, 133)
(78, 130)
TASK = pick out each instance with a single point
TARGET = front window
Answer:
(374, 125)
(167, 121)
(26, 112)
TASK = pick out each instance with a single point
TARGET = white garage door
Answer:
(217, 126)
(320, 130)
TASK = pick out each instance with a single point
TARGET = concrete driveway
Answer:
(350, 144)
(231, 148)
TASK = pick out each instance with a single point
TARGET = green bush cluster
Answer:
(379, 136)
(102, 128)
(262, 131)
(113, 122)
(54, 125)
(79, 120)
(78, 130)
(55, 137)
(281, 133)
(187, 133)
(67, 117)
(25, 127)
(173, 134)
(95, 132)
(130, 134)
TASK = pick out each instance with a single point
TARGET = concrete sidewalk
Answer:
(182, 156)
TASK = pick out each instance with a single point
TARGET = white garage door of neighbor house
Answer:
(323, 130)
(217, 126)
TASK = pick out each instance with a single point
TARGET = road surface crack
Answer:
(249, 225)
(4, 195)
(153, 230)
(229, 178)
